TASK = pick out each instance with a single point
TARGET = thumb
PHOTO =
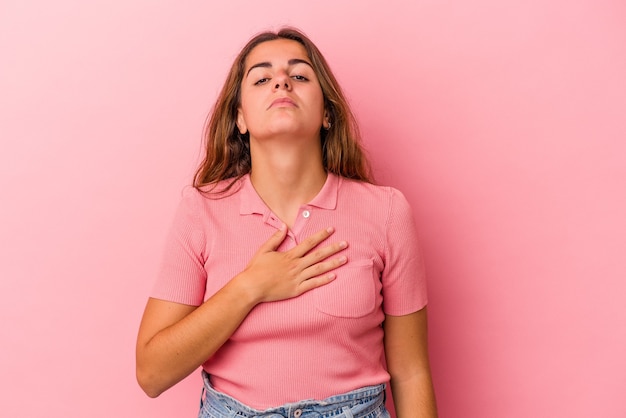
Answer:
(274, 240)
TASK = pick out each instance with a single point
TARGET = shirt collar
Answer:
(251, 202)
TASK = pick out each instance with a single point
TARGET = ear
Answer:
(326, 121)
(241, 122)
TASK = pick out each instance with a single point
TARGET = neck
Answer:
(286, 176)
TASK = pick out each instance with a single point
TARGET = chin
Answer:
(284, 130)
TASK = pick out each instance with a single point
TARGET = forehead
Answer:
(276, 51)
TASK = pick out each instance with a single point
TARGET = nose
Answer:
(282, 81)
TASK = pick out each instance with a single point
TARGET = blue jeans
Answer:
(367, 402)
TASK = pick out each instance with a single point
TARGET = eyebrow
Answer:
(267, 64)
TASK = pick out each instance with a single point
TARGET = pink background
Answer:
(503, 122)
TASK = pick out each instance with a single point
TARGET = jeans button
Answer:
(297, 413)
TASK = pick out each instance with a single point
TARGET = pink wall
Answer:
(503, 122)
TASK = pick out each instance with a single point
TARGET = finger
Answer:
(311, 242)
(275, 240)
(317, 281)
(319, 269)
(319, 254)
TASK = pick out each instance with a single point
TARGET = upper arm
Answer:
(406, 344)
(406, 349)
(403, 276)
(159, 315)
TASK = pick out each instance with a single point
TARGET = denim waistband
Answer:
(362, 403)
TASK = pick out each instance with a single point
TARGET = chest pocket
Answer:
(352, 294)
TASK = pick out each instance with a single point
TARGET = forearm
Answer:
(175, 339)
(414, 397)
(176, 351)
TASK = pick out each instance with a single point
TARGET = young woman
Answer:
(294, 282)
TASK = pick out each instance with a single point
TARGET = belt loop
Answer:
(202, 397)
(346, 412)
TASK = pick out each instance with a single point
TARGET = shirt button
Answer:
(297, 413)
(306, 213)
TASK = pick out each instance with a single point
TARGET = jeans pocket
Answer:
(353, 292)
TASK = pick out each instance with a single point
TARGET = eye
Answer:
(262, 81)
(300, 78)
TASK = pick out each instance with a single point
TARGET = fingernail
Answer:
(343, 244)
(330, 230)
(343, 259)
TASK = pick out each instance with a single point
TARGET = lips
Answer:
(283, 102)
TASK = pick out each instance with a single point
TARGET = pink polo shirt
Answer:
(325, 342)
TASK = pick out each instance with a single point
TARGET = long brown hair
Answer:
(228, 151)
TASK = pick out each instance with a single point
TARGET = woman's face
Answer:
(280, 93)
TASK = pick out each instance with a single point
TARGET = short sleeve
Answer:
(182, 277)
(404, 276)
